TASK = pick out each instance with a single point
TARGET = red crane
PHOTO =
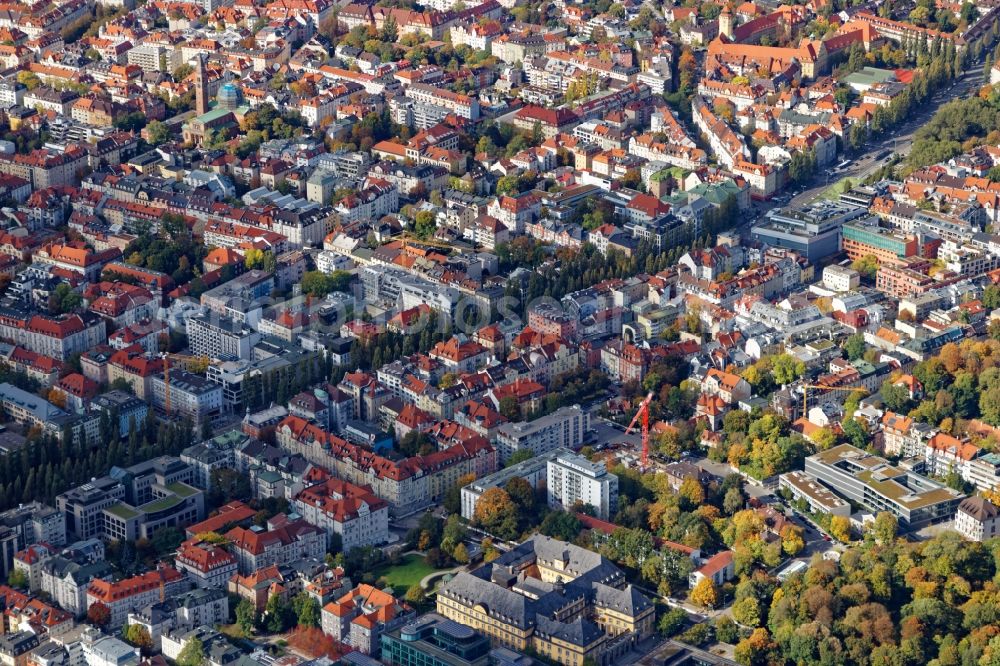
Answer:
(644, 412)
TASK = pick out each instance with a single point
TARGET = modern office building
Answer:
(872, 482)
(867, 238)
(813, 231)
(818, 497)
(133, 502)
(433, 640)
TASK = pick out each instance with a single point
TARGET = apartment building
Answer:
(47, 168)
(282, 541)
(213, 454)
(219, 337)
(59, 337)
(459, 355)
(137, 592)
(977, 519)
(534, 470)
(28, 409)
(377, 199)
(77, 258)
(571, 478)
(67, 576)
(131, 411)
(195, 608)
(903, 437)
(567, 427)
(984, 472)
(945, 454)
(351, 512)
(191, 395)
(461, 105)
(408, 484)
(207, 565)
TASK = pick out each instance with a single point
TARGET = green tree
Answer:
(277, 615)
(192, 654)
(182, 71)
(138, 635)
(306, 610)
(866, 265)
(158, 132)
(855, 346)
(746, 611)
(991, 296)
(519, 456)
(561, 525)
(672, 622)
(18, 579)
(726, 630)
(424, 224)
(884, 529)
(510, 409)
(64, 299)
(246, 617)
(787, 368)
(316, 283)
(895, 398)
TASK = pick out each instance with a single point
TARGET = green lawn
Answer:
(834, 191)
(407, 573)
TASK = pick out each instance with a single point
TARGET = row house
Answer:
(43, 369)
(408, 484)
(133, 593)
(58, 337)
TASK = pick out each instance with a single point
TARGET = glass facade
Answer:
(433, 640)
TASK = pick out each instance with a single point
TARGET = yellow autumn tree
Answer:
(56, 397)
(840, 528)
(705, 594)
(791, 540)
(692, 491)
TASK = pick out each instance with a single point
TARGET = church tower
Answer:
(726, 23)
(201, 85)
